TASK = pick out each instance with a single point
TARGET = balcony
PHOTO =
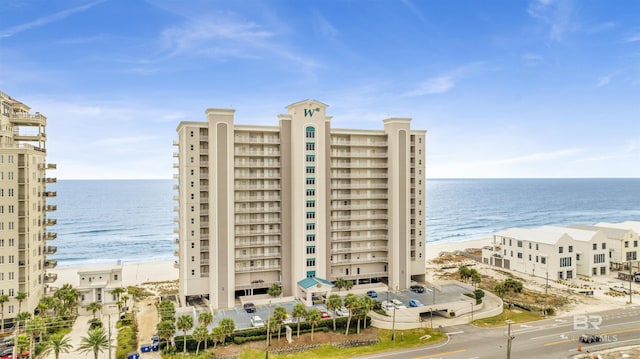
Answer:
(51, 236)
(249, 139)
(357, 206)
(362, 275)
(176, 142)
(257, 164)
(255, 187)
(50, 207)
(47, 166)
(359, 238)
(50, 277)
(360, 174)
(359, 249)
(50, 263)
(261, 209)
(247, 175)
(176, 154)
(176, 253)
(356, 261)
(50, 180)
(176, 240)
(176, 264)
(359, 186)
(256, 243)
(362, 227)
(49, 194)
(50, 250)
(257, 232)
(257, 153)
(257, 198)
(359, 154)
(355, 164)
(257, 269)
(50, 222)
(26, 119)
(248, 221)
(251, 256)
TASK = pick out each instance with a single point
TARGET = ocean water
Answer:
(102, 222)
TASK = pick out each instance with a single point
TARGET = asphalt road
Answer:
(550, 338)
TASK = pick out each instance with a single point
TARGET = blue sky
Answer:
(504, 88)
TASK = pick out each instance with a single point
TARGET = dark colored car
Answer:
(590, 338)
(417, 288)
(249, 307)
(372, 294)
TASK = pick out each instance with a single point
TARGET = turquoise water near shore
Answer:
(103, 221)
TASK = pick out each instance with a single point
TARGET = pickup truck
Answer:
(620, 289)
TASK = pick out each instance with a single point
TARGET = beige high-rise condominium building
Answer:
(260, 205)
(23, 207)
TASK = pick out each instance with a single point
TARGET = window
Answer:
(594, 270)
(565, 262)
(569, 274)
(311, 146)
(311, 181)
(543, 260)
(595, 246)
(311, 237)
(537, 247)
(529, 257)
(311, 226)
(311, 158)
(311, 250)
(604, 245)
(311, 170)
(311, 204)
(603, 270)
(311, 192)
(570, 249)
(520, 255)
(635, 244)
(560, 249)
(519, 244)
(578, 257)
(311, 262)
(311, 274)
(529, 245)
(537, 259)
(115, 277)
(598, 258)
(310, 132)
(626, 244)
(311, 215)
(632, 256)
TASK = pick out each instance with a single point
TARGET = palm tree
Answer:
(35, 327)
(313, 318)
(167, 310)
(368, 304)
(334, 303)
(96, 341)
(217, 335)
(300, 311)
(3, 299)
(21, 318)
(350, 302)
(358, 309)
(275, 290)
(205, 318)
(117, 292)
(57, 344)
(279, 315)
(125, 299)
(200, 334)
(228, 326)
(94, 307)
(184, 323)
(166, 330)
(21, 297)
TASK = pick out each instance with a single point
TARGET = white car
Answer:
(398, 304)
(257, 322)
(387, 305)
(342, 312)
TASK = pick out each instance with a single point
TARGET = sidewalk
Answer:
(79, 330)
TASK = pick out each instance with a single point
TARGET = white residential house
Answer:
(533, 251)
(592, 255)
(621, 242)
(627, 250)
(97, 284)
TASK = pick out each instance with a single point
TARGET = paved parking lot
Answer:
(445, 294)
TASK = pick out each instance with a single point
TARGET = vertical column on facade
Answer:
(397, 130)
(287, 279)
(221, 208)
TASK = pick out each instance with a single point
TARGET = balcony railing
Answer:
(362, 275)
(359, 249)
(372, 164)
(360, 174)
(51, 222)
(49, 194)
(50, 207)
(359, 227)
(252, 256)
(258, 153)
(246, 139)
(358, 154)
(359, 238)
(257, 269)
(357, 206)
(257, 209)
(51, 250)
(256, 243)
(50, 277)
(50, 263)
(22, 118)
(355, 260)
(340, 142)
(258, 164)
(257, 198)
(51, 236)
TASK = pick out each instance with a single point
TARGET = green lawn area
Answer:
(404, 339)
(516, 315)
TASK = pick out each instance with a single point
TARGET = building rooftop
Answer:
(532, 235)
(310, 282)
(616, 233)
(577, 234)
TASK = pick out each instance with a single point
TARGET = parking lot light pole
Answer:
(431, 313)
(471, 312)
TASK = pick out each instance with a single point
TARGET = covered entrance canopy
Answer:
(310, 288)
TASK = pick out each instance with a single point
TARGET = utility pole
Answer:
(393, 324)
(109, 337)
(471, 312)
(509, 339)
(546, 286)
(431, 312)
(630, 280)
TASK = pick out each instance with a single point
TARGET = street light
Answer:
(509, 338)
(431, 313)
(471, 312)
(393, 325)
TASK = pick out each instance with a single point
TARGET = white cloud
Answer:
(633, 38)
(556, 14)
(603, 81)
(47, 19)
(446, 81)
(532, 59)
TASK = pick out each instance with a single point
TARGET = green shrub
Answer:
(127, 336)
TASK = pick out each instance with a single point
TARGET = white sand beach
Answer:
(434, 249)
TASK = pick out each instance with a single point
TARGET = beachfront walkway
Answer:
(79, 330)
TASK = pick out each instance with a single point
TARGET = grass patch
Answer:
(516, 315)
(404, 339)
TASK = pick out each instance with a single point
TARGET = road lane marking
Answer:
(458, 332)
(558, 342)
(442, 354)
(603, 334)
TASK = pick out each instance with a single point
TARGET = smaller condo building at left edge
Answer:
(25, 216)
(261, 205)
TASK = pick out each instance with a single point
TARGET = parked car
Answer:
(415, 303)
(256, 321)
(342, 312)
(619, 288)
(324, 314)
(398, 304)
(590, 338)
(372, 294)
(249, 307)
(417, 288)
(387, 305)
